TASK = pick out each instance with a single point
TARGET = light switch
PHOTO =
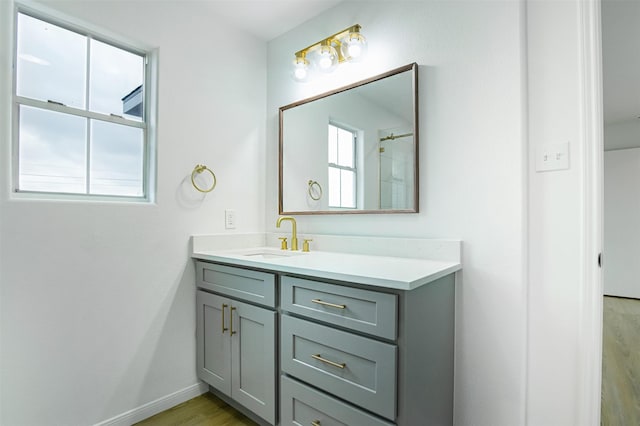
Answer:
(230, 219)
(552, 157)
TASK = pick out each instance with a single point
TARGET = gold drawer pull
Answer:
(333, 305)
(315, 423)
(326, 361)
(233, 308)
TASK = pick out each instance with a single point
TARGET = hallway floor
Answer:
(621, 362)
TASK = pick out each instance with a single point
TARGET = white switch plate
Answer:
(230, 219)
(552, 157)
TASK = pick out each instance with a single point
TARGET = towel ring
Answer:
(313, 183)
(199, 169)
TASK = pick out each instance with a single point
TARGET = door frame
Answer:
(591, 295)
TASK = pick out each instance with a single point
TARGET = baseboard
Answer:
(154, 407)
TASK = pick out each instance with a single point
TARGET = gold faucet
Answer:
(294, 233)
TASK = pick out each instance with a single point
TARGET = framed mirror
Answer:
(352, 150)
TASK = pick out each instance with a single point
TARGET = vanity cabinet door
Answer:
(213, 359)
(236, 344)
(253, 353)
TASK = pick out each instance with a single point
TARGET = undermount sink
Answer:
(265, 253)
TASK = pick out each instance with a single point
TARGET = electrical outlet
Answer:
(230, 219)
(552, 157)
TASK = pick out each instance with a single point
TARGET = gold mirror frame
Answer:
(411, 67)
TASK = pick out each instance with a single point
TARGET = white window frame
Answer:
(353, 169)
(148, 122)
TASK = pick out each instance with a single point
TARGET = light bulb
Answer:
(354, 50)
(354, 46)
(325, 62)
(300, 73)
(300, 70)
(327, 58)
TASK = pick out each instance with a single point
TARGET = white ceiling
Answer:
(268, 19)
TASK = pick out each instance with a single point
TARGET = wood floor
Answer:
(621, 362)
(200, 411)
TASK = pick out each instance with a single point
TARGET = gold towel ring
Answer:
(199, 169)
(313, 183)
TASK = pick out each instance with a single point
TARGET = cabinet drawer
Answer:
(303, 405)
(367, 311)
(355, 368)
(252, 286)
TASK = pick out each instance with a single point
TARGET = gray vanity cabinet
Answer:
(236, 346)
(349, 354)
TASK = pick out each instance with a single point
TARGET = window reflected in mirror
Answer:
(343, 173)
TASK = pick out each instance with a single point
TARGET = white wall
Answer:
(471, 169)
(556, 220)
(620, 68)
(97, 299)
(622, 134)
(621, 60)
(622, 222)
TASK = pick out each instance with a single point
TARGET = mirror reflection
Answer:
(353, 150)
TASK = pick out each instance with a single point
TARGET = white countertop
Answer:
(382, 271)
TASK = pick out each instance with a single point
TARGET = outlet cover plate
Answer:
(230, 219)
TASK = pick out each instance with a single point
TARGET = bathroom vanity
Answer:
(327, 338)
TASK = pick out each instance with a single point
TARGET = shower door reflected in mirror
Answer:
(352, 150)
(396, 168)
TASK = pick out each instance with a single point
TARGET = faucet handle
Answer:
(305, 245)
(283, 245)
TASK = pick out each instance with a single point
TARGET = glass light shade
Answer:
(327, 58)
(300, 71)
(354, 47)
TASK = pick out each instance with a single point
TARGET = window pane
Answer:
(333, 144)
(52, 151)
(334, 187)
(345, 148)
(117, 159)
(116, 81)
(51, 62)
(348, 190)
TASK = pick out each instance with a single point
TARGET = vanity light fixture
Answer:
(325, 55)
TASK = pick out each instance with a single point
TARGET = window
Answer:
(342, 167)
(81, 124)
